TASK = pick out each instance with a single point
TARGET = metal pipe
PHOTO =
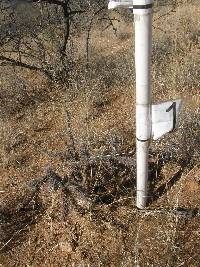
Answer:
(152, 121)
(142, 10)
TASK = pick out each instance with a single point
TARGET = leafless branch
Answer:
(13, 62)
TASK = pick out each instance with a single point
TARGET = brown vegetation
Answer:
(67, 154)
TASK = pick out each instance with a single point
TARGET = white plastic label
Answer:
(165, 117)
(120, 3)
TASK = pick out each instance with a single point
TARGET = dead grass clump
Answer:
(105, 235)
(175, 49)
(55, 198)
(20, 93)
(185, 146)
(66, 215)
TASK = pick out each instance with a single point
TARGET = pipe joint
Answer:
(142, 7)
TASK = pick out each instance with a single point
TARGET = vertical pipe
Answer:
(142, 10)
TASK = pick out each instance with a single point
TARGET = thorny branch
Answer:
(12, 62)
(46, 67)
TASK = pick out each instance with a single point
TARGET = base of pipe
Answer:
(141, 202)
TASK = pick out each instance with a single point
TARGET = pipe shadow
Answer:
(165, 187)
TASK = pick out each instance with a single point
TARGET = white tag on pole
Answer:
(165, 117)
(120, 3)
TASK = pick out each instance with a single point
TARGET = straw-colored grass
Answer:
(45, 227)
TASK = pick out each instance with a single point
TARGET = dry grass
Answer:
(49, 226)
